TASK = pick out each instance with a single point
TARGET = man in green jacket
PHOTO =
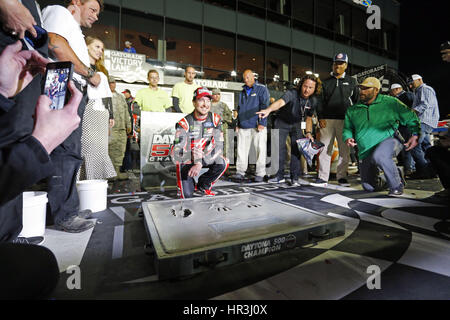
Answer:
(371, 124)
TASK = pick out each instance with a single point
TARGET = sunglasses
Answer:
(364, 88)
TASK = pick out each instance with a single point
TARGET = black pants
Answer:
(66, 158)
(27, 271)
(126, 163)
(439, 158)
(294, 131)
(186, 184)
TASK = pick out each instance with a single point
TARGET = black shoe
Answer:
(319, 183)
(74, 224)
(237, 177)
(29, 240)
(344, 182)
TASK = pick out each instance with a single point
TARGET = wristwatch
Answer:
(91, 73)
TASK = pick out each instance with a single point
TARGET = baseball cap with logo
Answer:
(416, 77)
(395, 86)
(371, 82)
(216, 91)
(202, 92)
(341, 57)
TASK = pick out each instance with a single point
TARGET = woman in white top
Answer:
(97, 119)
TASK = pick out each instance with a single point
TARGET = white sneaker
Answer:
(275, 180)
(303, 182)
(319, 183)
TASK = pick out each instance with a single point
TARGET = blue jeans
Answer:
(381, 158)
(418, 153)
(294, 131)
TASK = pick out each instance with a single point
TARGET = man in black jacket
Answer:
(296, 107)
(339, 92)
(404, 96)
(407, 97)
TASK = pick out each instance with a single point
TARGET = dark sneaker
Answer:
(276, 180)
(395, 192)
(344, 182)
(294, 183)
(29, 240)
(85, 214)
(319, 183)
(238, 177)
(259, 179)
(75, 224)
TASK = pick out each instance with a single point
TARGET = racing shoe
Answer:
(209, 193)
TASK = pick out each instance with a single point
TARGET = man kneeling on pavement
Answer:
(199, 144)
(372, 124)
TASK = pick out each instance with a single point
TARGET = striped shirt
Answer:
(426, 105)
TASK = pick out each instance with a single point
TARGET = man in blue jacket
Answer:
(250, 129)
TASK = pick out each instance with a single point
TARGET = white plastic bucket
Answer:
(92, 194)
(34, 214)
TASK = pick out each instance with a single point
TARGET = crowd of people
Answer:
(96, 134)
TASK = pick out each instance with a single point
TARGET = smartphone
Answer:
(57, 78)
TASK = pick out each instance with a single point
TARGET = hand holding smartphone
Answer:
(57, 78)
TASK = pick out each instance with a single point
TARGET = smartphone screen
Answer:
(56, 80)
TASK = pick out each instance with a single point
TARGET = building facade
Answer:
(279, 39)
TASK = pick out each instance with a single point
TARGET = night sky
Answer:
(424, 25)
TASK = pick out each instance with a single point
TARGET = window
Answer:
(217, 75)
(227, 4)
(301, 62)
(256, 8)
(144, 31)
(325, 14)
(324, 18)
(183, 43)
(277, 66)
(280, 6)
(390, 42)
(323, 67)
(359, 28)
(303, 11)
(343, 22)
(218, 51)
(250, 55)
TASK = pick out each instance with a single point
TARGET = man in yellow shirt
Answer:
(153, 99)
(183, 92)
